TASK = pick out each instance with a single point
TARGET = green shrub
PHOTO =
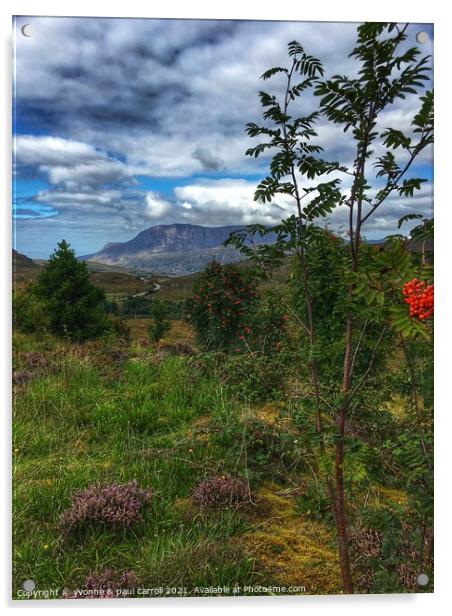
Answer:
(30, 313)
(160, 324)
(118, 327)
(254, 378)
(267, 332)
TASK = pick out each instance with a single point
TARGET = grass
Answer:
(118, 283)
(176, 288)
(92, 414)
(73, 426)
(24, 275)
(84, 418)
(180, 331)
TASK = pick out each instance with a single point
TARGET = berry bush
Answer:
(221, 304)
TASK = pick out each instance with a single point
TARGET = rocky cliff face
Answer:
(165, 239)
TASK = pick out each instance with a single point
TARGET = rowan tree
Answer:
(369, 306)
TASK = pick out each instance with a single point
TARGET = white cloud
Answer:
(92, 173)
(72, 163)
(156, 208)
(47, 151)
(227, 201)
(82, 201)
(156, 90)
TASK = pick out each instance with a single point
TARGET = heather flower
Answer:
(20, 377)
(107, 584)
(367, 541)
(116, 505)
(221, 491)
(117, 355)
(33, 359)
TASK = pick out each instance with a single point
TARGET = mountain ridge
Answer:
(180, 237)
(171, 248)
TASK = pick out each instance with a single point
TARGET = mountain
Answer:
(166, 238)
(175, 249)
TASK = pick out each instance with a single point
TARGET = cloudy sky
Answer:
(121, 124)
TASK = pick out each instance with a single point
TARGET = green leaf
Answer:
(395, 139)
(273, 71)
(295, 48)
(409, 186)
(424, 119)
(407, 217)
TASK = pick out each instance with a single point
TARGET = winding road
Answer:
(156, 287)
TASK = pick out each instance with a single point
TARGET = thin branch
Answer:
(390, 186)
(360, 339)
(369, 367)
(301, 254)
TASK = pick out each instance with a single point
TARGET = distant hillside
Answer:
(21, 261)
(114, 280)
(25, 270)
(176, 249)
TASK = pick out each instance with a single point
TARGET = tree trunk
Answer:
(339, 506)
(339, 496)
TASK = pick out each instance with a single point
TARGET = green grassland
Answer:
(98, 413)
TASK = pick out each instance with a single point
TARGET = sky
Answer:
(122, 124)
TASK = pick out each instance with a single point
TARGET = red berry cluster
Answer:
(419, 296)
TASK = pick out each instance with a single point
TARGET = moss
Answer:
(398, 405)
(271, 416)
(384, 496)
(202, 421)
(291, 549)
(268, 413)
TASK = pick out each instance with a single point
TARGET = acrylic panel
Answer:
(223, 308)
